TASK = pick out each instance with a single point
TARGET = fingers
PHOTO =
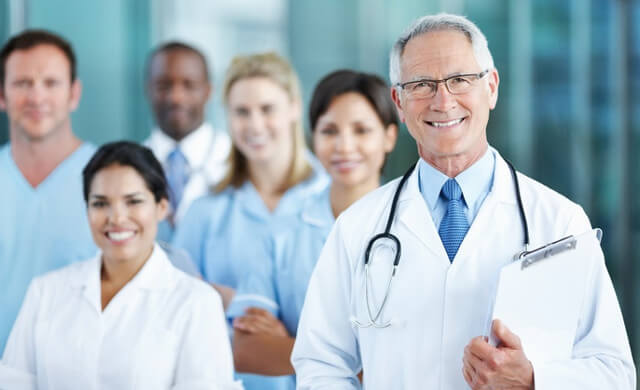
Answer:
(479, 347)
(255, 324)
(259, 312)
(508, 339)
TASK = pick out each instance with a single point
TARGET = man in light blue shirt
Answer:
(43, 222)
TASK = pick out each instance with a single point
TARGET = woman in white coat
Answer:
(125, 319)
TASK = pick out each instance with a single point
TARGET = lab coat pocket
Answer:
(156, 356)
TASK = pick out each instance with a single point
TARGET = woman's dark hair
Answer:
(132, 155)
(370, 86)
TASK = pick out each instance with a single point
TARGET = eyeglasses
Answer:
(456, 85)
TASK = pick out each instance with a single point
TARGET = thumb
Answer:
(507, 338)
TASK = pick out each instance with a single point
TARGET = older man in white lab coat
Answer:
(458, 222)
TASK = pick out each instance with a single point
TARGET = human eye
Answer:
(419, 85)
(241, 112)
(460, 80)
(51, 83)
(134, 201)
(22, 83)
(98, 204)
(328, 131)
(268, 109)
(162, 85)
(362, 130)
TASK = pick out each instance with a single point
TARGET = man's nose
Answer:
(37, 93)
(176, 94)
(443, 100)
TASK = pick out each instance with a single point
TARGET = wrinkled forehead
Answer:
(438, 54)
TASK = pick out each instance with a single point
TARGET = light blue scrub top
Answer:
(279, 284)
(41, 228)
(223, 234)
(219, 231)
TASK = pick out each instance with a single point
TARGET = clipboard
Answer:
(539, 296)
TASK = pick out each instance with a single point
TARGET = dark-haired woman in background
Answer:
(125, 319)
(354, 126)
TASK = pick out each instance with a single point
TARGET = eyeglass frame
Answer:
(478, 76)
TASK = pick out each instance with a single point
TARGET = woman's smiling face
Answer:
(123, 214)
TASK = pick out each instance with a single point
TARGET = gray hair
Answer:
(440, 22)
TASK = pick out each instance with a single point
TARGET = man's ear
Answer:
(494, 82)
(397, 99)
(76, 94)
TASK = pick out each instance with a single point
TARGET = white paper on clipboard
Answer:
(539, 297)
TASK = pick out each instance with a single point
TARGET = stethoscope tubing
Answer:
(373, 319)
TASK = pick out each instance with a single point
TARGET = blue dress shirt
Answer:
(475, 182)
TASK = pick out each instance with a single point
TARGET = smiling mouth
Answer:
(257, 141)
(345, 165)
(450, 123)
(119, 237)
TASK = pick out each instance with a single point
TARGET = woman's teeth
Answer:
(120, 236)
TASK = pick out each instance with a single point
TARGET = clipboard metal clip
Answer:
(544, 252)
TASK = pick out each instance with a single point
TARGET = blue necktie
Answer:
(177, 176)
(454, 225)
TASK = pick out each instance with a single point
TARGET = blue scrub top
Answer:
(221, 231)
(279, 285)
(223, 234)
(41, 228)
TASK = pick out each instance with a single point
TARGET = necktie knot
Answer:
(177, 158)
(451, 190)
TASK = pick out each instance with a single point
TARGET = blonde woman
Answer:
(270, 174)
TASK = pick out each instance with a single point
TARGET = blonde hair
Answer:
(278, 70)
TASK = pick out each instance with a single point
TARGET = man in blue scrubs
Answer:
(43, 222)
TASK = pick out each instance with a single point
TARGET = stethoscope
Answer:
(374, 318)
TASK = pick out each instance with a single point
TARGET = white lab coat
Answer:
(437, 307)
(163, 330)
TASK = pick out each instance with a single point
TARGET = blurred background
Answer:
(569, 107)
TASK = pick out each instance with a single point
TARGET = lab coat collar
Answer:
(317, 210)
(503, 182)
(415, 214)
(155, 274)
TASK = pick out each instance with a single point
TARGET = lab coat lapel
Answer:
(498, 206)
(414, 214)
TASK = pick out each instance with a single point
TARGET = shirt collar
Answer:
(194, 146)
(155, 274)
(473, 181)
